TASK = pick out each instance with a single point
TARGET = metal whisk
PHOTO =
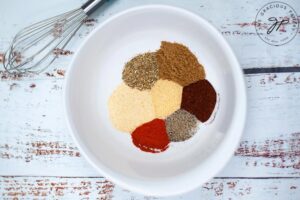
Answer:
(35, 47)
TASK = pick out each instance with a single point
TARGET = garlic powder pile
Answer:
(129, 108)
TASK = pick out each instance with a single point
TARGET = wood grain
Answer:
(102, 189)
(53, 188)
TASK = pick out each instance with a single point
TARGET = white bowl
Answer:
(96, 71)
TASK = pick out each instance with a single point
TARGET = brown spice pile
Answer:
(177, 63)
(199, 98)
(141, 72)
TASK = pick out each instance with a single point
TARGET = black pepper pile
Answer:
(181, 125)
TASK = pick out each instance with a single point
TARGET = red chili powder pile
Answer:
(151, 136)
(199, 99)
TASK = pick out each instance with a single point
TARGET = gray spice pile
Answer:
(181, 125)
(141, 72)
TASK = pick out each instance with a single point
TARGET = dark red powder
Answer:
(199, 99)
(151, 137)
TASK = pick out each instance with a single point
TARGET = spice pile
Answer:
(163, 99)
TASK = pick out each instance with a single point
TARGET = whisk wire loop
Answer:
(33, 48)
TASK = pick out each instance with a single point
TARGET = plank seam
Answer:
(271, 70)
(99, 177)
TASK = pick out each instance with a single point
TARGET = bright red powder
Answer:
(151, 136)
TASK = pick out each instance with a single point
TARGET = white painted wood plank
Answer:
(100, 188)
(233, 18)
(35, 141)
(271, 141)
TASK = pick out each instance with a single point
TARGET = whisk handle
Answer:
(91, 5)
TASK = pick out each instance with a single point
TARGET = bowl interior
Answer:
(96, 71)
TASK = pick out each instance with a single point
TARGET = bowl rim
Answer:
(235, 128)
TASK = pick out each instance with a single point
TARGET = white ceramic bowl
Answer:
(96, 71)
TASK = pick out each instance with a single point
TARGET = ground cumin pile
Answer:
(177, 63)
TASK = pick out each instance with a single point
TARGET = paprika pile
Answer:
(151, 137)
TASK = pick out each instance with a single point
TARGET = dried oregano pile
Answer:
(141, 72)
(163, 99)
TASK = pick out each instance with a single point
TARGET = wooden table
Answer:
(39, 160)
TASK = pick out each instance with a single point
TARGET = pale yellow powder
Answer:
(166, 96)
(130, 108)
